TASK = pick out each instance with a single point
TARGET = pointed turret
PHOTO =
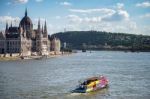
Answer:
(39, 26)
(6, 25)
(45, 29)
(39, 34)
(6, 29)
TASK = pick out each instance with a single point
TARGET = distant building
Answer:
(55, 45)
(64, 45)
(26, 40)
(2, 42)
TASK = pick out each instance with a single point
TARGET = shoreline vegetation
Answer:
(37, 57)
(101, 40)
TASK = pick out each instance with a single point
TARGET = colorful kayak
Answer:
(92, 84)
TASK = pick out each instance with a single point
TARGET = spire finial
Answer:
(26, 13)
(6, 25)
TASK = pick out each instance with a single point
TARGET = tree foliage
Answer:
(101, 38)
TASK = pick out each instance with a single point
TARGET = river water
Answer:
(54, 78)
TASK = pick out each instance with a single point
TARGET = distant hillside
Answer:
(104, 40)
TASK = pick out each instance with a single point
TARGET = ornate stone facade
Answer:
(24, 39)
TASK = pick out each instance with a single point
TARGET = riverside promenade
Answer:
(16, 56)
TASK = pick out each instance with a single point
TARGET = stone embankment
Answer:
(16, 56)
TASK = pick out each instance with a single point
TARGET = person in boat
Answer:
(89, 80)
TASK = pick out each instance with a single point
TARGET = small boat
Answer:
(41, 57)
(92, 84)
(83, 50)
(24, 57)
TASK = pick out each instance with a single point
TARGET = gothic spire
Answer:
(11, 24)
(6, 29)
(6, 25)
(45, 28)
(39, 27)
(26, 13)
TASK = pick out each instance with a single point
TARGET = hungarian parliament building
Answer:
(25, 40)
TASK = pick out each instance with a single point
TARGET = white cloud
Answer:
(120, 5)
(146, 29)
(145, 4)
(92, 20)
(104, 19)
(107, 14)
(119, 15)
(101, 24)
(74, 18)
(65, 3)
(116, 19)
(77, 19)
(147, 15)
(131, 25)
(20, 1)
(102, 10)
(71, 27)
(121, 27)
(50, 28)
(9, 19)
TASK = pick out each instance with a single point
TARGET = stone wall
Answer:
(10, 55)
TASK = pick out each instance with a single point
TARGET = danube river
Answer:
(54, 78)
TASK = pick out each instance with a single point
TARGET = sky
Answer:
(123, 16)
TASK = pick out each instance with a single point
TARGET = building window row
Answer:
(13, 50)
(13, 43)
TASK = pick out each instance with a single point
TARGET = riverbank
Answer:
(17, 57)
(117, 49)
(9, 58)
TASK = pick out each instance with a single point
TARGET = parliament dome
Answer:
(26, 21)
